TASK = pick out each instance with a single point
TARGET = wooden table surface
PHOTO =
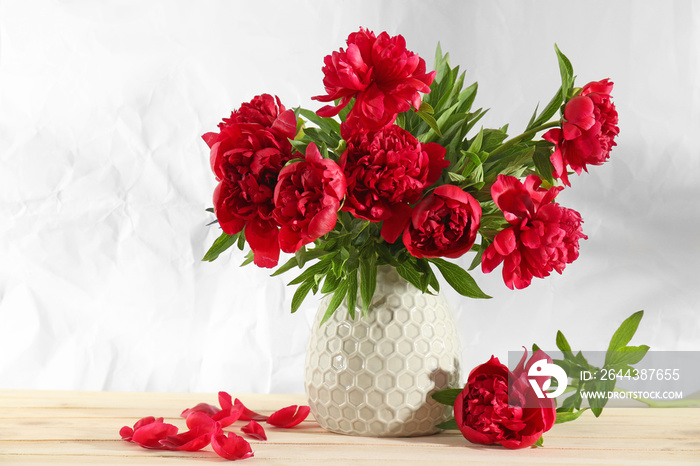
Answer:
(76, 428)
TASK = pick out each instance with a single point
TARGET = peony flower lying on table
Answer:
(514, 408)
(393, 172)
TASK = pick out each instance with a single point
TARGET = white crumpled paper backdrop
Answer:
(104, 180)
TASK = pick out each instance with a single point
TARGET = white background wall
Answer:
(104, 180)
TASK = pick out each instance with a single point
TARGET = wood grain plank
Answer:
(332, 454)
(82, 428)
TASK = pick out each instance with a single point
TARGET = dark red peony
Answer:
(444, 224)
(380, 73)
(388, 170)
(543, 235)
(588, 130)
(307, 198)
(246, 157)
(497, 406)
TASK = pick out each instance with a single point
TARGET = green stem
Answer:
(525, 135)
(662, 404)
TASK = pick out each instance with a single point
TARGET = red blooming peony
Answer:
(380, 73)
(543, 235)
(444, 224)
(246, 157)
(388, 170)
(588, 130)
(307, 198)
(263, 110)
(485, 416)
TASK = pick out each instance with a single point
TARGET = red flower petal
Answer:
(192, 440)
(262, 237)
(394, 226)
(247, 414)
(228, 416)
(205, 408)
(225, 400)
(145, 421)
(255, 430)
(231, 447)
(150, 435)
(289, 416)
(197, 420)
(126, 433)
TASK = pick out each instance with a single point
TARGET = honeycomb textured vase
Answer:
(374, 376)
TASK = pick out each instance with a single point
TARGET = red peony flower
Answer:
(388, 170)
(380, 73)
(588, 130)
(263, 110)
(246, 157)
(307, 198)
(444, 224)
(543, 235)
(485, 416)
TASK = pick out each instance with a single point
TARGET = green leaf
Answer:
(319, 268)
(248, 258)
(539, 442)
(459, 279)
(410, 272)
(543, 165)
(601, 386)
(327, 124)
(330, 283)
(221, 244)
(299, 146)
(336, 300)
(571, 402)
(300, 294)
(626, 331)
(475, 146)
(368, 279)
(566, 71)
(320, 136)
(352, 293)
(432, 279)
(426, 107)
(549, 111)
(477, 259)
(447, 397)
(563, 417)
(290, 264)
(562, 344)
(428, 118)
(626, 355)
(493, 138)
(448, 425)
(456, 177)
(532, 118)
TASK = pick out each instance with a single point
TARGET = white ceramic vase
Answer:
(374, 376)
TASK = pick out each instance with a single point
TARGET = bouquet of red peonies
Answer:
(393, 171)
